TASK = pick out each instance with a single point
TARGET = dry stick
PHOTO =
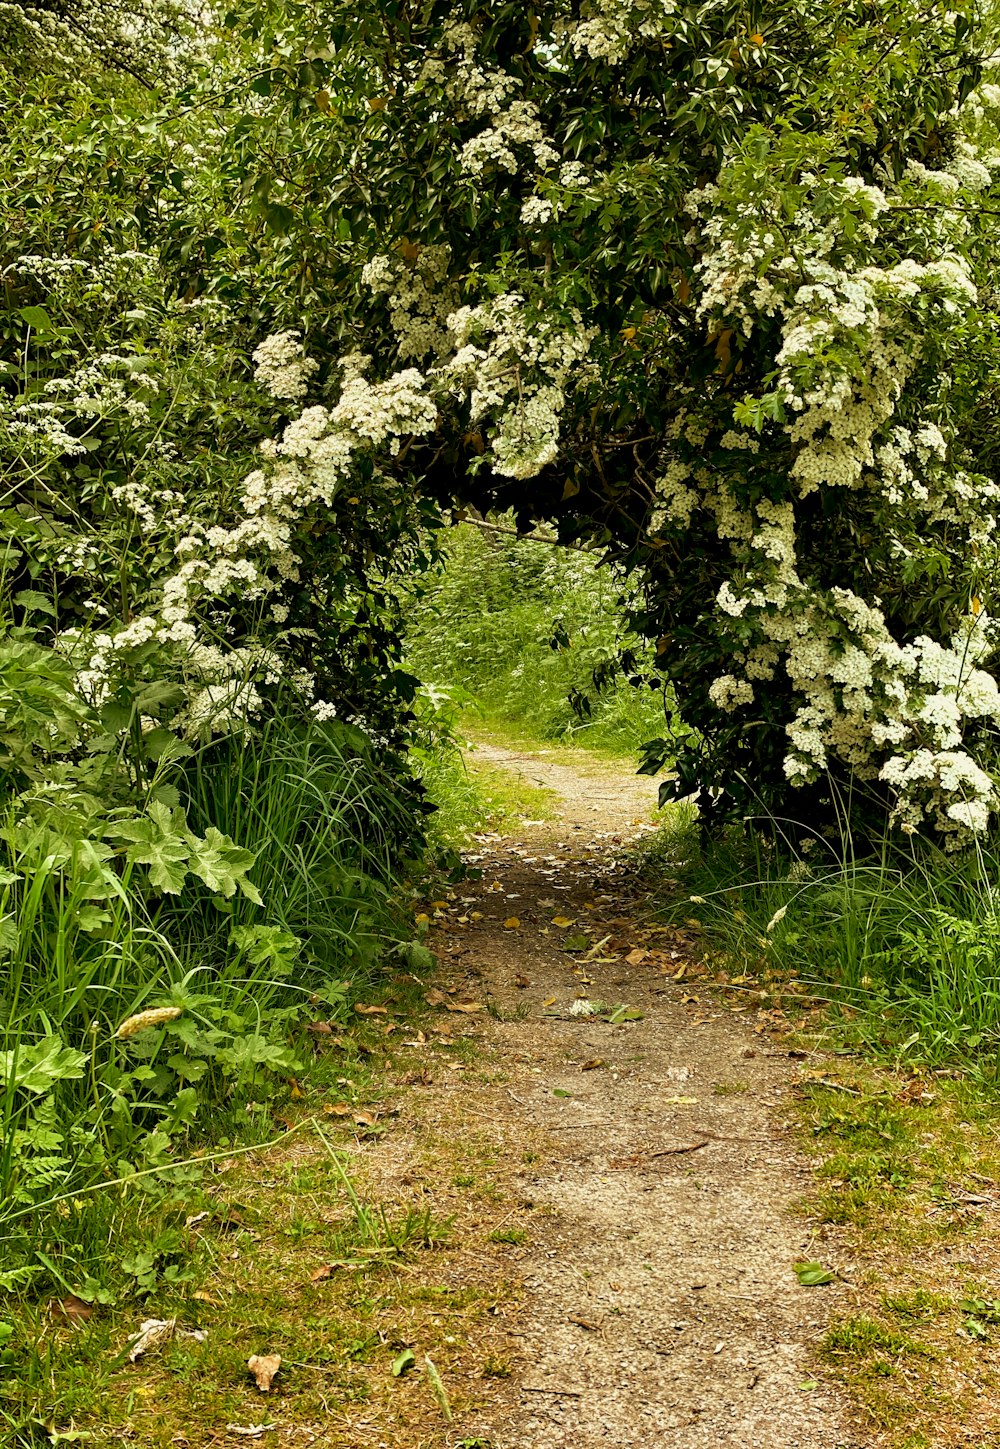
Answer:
(560, 1393)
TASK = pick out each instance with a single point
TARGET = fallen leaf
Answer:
(576, 943)
(71, 1309)
(336, 1109)
(551, 1001)
(813, 1275)
(320, 1028)
(264, 1366)
(365, 1119)
(636, 956)
(249, 1431)
(153, 1332)
(563, 921)
(622, 1013)
(587, 1323)
(202, 1297)
(593, 1064)
(467, 1006)
(434, 997)
(404, 1361)
(296, 1091)
(680, 1101)
(512, 923)
(363, 1010)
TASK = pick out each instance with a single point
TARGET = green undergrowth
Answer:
(139, 1024)
(530, 636)
(901, 947)
(307, 1250)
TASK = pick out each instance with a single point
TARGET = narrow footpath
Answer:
(658, 1305)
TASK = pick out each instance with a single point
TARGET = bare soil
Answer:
(658, 1303)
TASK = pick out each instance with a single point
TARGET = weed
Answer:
(496, 1368)
(515, 1236)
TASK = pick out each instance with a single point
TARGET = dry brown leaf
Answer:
(321, 1273)
(71, 1309)
(593, 1064)
(563, 921)
(636, 956)
(512, 923)
(264, 1366)
(434, 997)
(200, 1296)
(467, 1006)
(337, 1109)
(320, 1028)
(365, 1119)
(363, 1010)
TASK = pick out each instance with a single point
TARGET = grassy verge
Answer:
(320, 1250)
(469, 796)
(883, 974)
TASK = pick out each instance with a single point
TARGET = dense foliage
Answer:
(527, 635)
(710, 285)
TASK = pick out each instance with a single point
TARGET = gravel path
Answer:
(660, 1304)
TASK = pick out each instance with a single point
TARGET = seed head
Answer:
(143, 1020)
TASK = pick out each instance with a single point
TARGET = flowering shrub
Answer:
(716, 293)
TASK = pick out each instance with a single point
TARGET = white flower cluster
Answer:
(513, 371)
(421, 297)
(611, 30)
(282, 368)
(852, 332)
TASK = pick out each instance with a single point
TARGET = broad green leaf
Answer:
(39, 1067)
(813, 1275)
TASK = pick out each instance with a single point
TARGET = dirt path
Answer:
(659, 1303)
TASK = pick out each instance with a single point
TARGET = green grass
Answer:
(471, 797)
(901, 947)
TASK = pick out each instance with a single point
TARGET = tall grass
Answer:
(90, 1090)
(901, 941)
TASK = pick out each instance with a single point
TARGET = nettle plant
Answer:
(711, 284)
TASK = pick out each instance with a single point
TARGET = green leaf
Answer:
(37, 1068)
(37, 318)
(575, 943)
(403, 1362)
(813, 1275)
(419, 957)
